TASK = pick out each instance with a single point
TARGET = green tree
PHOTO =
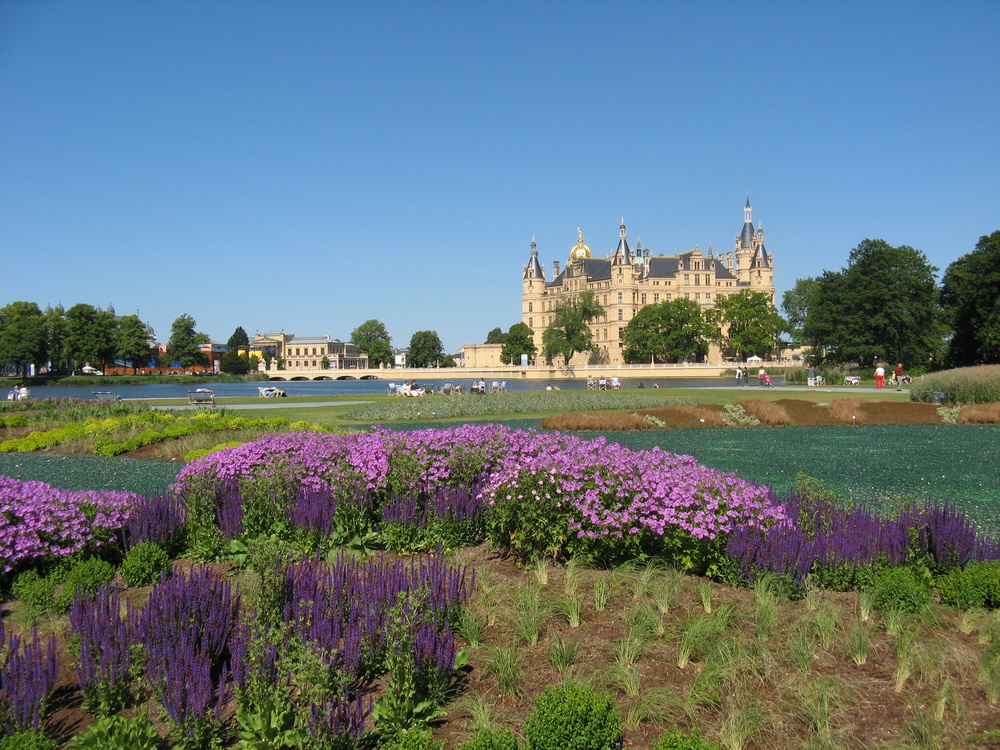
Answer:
(239, 339)
(569, 332)
(23, 335)
(426, 349)
(55, 336)
(131, 344)
(184, 341)
(970, 296)
(520, 339)
(234, 363)
(883, 305)
(447, 361)
(669, 332)
(496, 336)
(795, 304)
(750, 322)
(372, 339)
(90, 336)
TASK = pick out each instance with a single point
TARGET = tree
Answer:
(669, 332)
(795, 304)
(239, 339)
(496, 336)
(90, 336)
(372, 339)
(55, 336)
(883, 305)
(23, 335)
(447, 361)
(569, 332)
(234, 363)
(425, 349)
(131, 344)
(970, 296)
(518, 340)
(750, 322)
(183, 343)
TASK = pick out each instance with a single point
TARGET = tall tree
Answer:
(239, 339)
(22, 335)
(90, 336)
(131, 344)
(372, 339)
(518, 340)
(426, 349)
(750, 322)
(569, 332)
(496, 336)
(795, 304)
(970, 296)
(883, 305)
(184, 341)
(669, 332)
(55, 336)
(234, 363)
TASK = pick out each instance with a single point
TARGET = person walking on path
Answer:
(880, 376)
(761, 376)
(899, 376)
(811, 376)
(739, 377)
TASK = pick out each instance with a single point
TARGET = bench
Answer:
(105, 397)
(201, 397)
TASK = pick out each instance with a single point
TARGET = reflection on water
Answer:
(340, 387)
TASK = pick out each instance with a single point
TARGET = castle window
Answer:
(708, 296)
(687, 295)
(656, 298)
(531, 323)
(621, 314)
(643, 300)
(670, 297)
(687, 279)
(697, 297)
(619, 298)
(531, 307)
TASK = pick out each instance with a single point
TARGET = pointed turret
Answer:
(534, 269)
(746, 237)
(622, 256)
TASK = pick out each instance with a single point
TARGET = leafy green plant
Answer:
(975, 586)
(84, 577)
(678, 740)
(900, 588)
(268, 726)
(27, 739)
(144, 564)
(118, 733)
(492, 739)
(414, 738)
(37, 594)
(573, 717)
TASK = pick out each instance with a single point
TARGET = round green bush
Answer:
(492, 739)
(414, 738)
(144, 564)
(678, 740)
(978, 585)
(36, 594)
(28, 739)
(573, 717)
(900, 589)
(84, 577)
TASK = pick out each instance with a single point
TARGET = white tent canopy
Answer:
(754, 358)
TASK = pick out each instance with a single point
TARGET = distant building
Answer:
(625, 281)
(308, 352)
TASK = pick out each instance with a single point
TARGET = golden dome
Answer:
(580, 250)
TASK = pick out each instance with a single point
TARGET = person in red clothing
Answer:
(899, 376)
(880, 375)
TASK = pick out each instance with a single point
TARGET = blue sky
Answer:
(307, 166)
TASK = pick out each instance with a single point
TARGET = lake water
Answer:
(341, 387)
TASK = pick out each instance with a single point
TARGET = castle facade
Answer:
(625, 281)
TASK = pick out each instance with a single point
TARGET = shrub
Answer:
(573, 717)
(492, 739)
(976, 586)
(415, 738)
(965, 385)
(37, 594)
(84, 577)
(118, 733)
(144, 564)
(900, 588)
(29, 739)
(678, 740)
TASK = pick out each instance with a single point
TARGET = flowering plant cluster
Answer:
(28, 671)
(37, 520)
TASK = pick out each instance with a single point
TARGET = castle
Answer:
(626, 281)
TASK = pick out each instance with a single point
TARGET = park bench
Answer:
(201, 397)
(105, 397)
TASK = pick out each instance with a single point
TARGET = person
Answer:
(761, 376)
(14, 394)
(880, 376)
(615, 383)
(739, 376)
(602, 383)
(548, 387)
(641, 385)
(811, 376)
(746, 377)
(899, 376)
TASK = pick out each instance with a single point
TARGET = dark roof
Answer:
(746, 239)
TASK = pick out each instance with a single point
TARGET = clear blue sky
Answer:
(307, 166)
